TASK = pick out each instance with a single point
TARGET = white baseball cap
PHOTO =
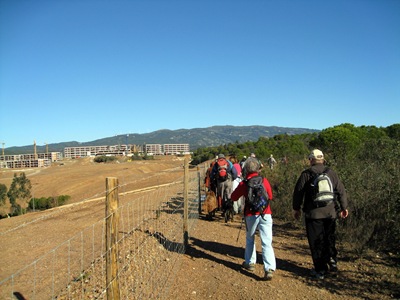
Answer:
(316, 154)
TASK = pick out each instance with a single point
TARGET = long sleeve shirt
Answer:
(242, 190)
(302, 195)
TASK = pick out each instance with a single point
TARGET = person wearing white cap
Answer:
(320, 221)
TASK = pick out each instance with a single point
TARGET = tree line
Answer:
(367, 160)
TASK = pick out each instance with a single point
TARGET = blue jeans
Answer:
(265, 231)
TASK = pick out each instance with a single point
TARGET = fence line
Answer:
(150, 243)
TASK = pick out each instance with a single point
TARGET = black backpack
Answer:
(322, 189)
(257, 197)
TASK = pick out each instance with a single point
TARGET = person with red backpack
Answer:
(223, 173)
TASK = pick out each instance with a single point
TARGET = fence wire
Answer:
(150, 245)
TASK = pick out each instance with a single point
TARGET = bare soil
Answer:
(212, 268)
(211, 264)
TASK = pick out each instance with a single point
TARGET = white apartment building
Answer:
(167, 149)
(84, 151)
(176, 149)
(29, 160)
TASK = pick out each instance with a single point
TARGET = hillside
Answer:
(195, 137)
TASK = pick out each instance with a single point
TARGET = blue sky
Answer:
(82, 70)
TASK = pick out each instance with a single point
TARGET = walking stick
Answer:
(240, 229)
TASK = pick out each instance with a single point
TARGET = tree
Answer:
(393, 131)
(341, 142)
(3, 194)
(19, 193)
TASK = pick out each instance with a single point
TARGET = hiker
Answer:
(320, 221)
(271, 162)
(241, 163)
(256, 220)
(252, 155)
(223, 173)
(237, 205)
(209, 184)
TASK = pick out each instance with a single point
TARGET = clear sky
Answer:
(80, 70)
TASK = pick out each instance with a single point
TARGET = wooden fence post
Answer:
(199, 180)
(186, 204)
(112, 221)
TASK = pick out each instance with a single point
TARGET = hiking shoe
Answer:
(332, 265)
(317, 275)
(268, 274)
(248, 267)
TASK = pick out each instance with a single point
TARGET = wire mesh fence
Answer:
(150, 242)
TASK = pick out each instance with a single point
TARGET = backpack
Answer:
(322, 189)
(222, 168)
(257, 197)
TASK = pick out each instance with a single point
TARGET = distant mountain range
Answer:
(196, 137)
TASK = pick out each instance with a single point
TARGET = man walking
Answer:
(320, 220)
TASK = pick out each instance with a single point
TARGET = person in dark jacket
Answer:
(254, 221)
(224, 186)
(320, 221)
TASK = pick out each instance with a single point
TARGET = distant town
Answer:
(38, 160)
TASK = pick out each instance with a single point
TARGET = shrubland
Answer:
(366, 159)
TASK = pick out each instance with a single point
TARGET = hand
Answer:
(296, 214)
(344, 213)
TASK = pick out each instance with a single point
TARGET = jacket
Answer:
(231, 170)
(241, 190)
(302, 195)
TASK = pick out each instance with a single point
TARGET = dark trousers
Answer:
(322, 241)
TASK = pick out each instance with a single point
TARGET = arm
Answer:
(268, 188)
(239, 191)
(342, 198)
(213, 172)
(233, 172)
(298, 195)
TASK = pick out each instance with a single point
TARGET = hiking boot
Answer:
(332, 265)
(269, 274)
(317, 275)
(248, 267)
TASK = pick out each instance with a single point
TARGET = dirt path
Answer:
(211, 269)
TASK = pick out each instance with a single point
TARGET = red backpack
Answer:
(222, 169)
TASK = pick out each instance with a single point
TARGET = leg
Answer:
(268, 255)
(330, 230)
(316, 240)
(219, 195)
(250, 255)
(236, 204)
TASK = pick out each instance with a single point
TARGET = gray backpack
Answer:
(322, 187)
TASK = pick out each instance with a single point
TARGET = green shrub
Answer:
(44, 203)
(104, 159)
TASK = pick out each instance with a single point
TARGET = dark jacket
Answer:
(231, 170)
(302, 195)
